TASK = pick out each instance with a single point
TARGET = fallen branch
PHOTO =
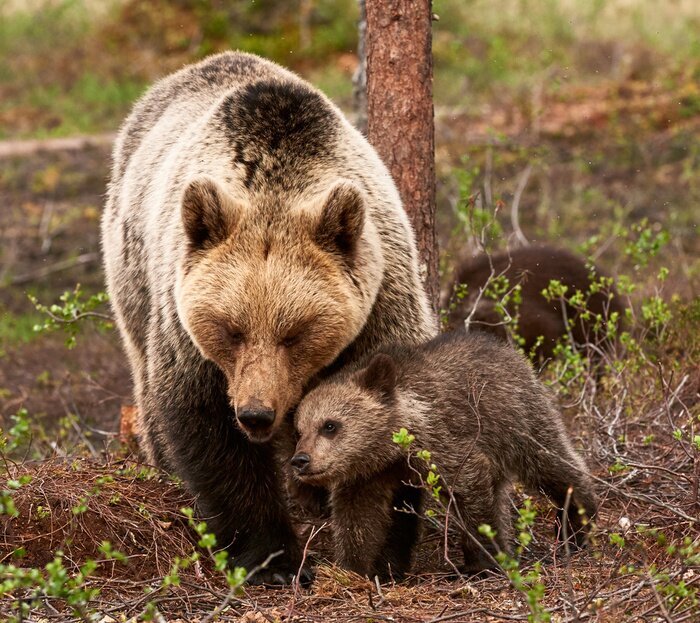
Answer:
(13, 149)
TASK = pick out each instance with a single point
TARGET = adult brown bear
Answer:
(253, 240)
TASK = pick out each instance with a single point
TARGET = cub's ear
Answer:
(342, 219)
(380, 376)
(208, 213)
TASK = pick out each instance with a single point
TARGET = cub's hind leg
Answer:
(554, 467)
(481, 498)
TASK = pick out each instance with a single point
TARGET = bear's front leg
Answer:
(362, 516)
(405, 530)
(237, 483)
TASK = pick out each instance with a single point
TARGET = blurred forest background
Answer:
(600, 98)
(587, 113)
(76, 66)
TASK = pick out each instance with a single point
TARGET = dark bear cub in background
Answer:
(533, 268)
(476, 405)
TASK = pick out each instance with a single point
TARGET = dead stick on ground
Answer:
(14, 149)
(567, 551)
(379, 591)
(664, 612)
(297, 580)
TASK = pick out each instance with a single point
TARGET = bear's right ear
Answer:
(380, 376)
(342, 219)
(208, 213)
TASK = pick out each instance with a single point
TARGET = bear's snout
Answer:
(300, 462)
(256, 419)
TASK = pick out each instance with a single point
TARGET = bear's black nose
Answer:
(300, 462)
(256, 418)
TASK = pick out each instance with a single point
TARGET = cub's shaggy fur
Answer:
(470, 400)
(533, 268)
(252, 240)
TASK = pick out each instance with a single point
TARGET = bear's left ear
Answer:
(209, 214)
(380, 376)
(342, 219)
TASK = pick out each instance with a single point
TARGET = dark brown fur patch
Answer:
(533, 268)
(271, 125)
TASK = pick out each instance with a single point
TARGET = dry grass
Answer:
(73, 505)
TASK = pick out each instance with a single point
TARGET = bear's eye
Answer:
(329, 428)
(291, 340)
(236, 338)
(298, 331)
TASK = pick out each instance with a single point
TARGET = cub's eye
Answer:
(329, 428)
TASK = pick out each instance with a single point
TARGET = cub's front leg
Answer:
(308, 500)
(362, 516)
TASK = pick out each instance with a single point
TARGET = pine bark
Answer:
(400, 114)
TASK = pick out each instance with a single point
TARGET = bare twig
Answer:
(567, 552)
(514, 215)
(232, 594)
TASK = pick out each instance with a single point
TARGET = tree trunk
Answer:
(400, 114)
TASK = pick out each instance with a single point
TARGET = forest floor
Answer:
(601, 161)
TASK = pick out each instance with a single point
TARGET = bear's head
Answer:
(345, 426)
(273, 292)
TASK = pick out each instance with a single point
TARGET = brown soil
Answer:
(52, 201)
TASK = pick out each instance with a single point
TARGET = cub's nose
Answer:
(300, 462)
(255, 418)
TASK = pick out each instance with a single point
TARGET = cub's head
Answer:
(345, 426)
(273, 292)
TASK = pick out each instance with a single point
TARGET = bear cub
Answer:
(476, 405)
(533, 268)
